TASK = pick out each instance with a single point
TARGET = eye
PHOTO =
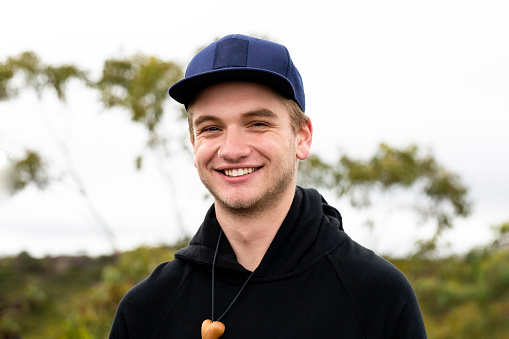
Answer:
(208, 130)
(259, 124)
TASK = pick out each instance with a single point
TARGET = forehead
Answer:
(226, 98)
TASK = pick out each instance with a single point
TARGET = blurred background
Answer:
(410, 111)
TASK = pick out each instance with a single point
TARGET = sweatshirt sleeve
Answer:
(410, 322)
(119, 327)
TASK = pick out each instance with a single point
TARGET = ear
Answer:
(303, 141)
(191, 139)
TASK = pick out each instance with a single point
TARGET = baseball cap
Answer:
(239, 57)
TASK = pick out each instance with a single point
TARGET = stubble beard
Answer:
(263, 200)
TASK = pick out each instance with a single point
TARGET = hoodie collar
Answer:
(310, 229)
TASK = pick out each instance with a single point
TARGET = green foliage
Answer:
(140, 85)
(96, 307)
(460, 297)
(502, 239)
(27, 170)
(35, 75)
(457, 296)
(463, 297)
(26, 71)
(6, 74)
(36, 294)
(391, 169)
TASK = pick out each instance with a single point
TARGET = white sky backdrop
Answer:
(434, 73)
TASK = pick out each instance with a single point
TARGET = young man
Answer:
(271, 260)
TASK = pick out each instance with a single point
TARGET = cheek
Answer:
(275, 147)
(203, 153)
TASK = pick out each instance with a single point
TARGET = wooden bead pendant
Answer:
(212, 330)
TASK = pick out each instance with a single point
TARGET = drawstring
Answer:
(213, 279)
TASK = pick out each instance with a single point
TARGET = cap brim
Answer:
(186, 89)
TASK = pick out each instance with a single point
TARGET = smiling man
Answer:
(247, 154)
(271, 259)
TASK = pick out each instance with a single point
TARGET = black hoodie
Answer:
(313, 282)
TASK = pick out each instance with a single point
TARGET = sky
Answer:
(431, 73)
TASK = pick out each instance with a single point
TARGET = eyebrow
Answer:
(204, 118)
(263, 113)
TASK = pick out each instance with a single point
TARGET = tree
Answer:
(26, 71)
(138, 84)
(441, 194)
(23, 171)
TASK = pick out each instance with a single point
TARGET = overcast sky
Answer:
(433, 73)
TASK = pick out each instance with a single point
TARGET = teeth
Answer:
(239, 171)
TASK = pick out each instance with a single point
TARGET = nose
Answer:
(234, 146)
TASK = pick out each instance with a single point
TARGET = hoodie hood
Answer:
(310, 229)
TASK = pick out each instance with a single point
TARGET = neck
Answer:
(250, 235)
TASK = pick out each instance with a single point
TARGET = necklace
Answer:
(211, 329)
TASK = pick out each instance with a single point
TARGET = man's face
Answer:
(244, 148)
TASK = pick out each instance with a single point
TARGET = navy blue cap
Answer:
(241, 58)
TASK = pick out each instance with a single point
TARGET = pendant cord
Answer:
(213, 279)
(213, 270)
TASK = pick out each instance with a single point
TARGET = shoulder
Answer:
(141, 309)
(164, 281)
(379, 293)
(358, 266)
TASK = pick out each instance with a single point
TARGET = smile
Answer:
(237, 172)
